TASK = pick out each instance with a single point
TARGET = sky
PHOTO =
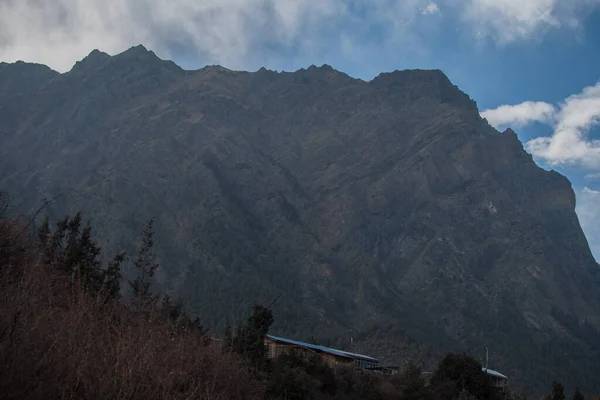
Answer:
(533, 65)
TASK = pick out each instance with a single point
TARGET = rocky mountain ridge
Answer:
(388, 210)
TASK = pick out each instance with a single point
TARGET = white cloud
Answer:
(570, 144)
(520, 114)
(588, 212)
(511, 20)
(60, 32)
(572, 121)
(232, 32)
(430, 9)
(592, 176)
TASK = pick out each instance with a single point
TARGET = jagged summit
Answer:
(21, 77)
(216, 68)
(97, 56)
(93, 61)
(25, 66)
(138, 49)
(419, 84)
(324, 67)
(140, 56)
(401, 76)
(138, 52)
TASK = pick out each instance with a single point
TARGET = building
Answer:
(277, 346)
(500, 381)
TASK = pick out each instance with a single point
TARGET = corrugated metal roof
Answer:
(335, 352)
(494, 373)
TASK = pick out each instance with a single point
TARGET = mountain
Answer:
(387, 210)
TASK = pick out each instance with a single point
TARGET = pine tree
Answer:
(558, 391)
(458, 372)
(4, 205)
(145, 268)
(578, 395)
(56, 248)
(44, 238)
(228, 339)
(249, 340)
(171, 309)
(43, 233)
(89, 266)
(412, 383)
(72, 251)
(111, 277)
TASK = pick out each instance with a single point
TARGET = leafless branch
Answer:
(45, 203)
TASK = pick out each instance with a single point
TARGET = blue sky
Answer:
(533, 65)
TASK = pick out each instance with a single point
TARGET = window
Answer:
(364, 364)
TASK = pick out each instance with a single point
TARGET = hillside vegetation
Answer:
(67, 332)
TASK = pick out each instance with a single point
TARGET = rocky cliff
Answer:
(386, 210)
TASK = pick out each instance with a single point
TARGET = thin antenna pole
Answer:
(486, 358)
(274, 300)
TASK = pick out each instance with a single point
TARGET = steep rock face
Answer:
(388, 210)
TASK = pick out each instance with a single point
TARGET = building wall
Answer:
(499, 382)
(276, 349)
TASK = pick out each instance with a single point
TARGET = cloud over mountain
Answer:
(512, 20)
(572, 120)
(520, 114)
(235, 32)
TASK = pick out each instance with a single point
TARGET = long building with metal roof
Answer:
(277, 346)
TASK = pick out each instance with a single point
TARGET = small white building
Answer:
(499, 380)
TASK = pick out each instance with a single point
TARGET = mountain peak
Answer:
(137, 52)
(140, 55)
(408, 75)
(97, 55)
(93, 61)
(22, 76)
(324, 67)
(422, 83)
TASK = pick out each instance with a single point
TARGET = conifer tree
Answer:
(412, 383)
(89, 266)
(144, 269)
(73, 251)
(558, 391)
(4, 205)
(458, 372)
(111, 277)
(249, 340)
(44, 237)
(44, 232)
(578, 395)
(56, 248)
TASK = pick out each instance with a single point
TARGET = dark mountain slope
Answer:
(388, 210)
